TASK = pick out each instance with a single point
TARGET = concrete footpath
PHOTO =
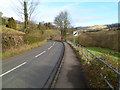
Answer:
(71, 75)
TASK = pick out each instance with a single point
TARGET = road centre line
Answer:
(13, 69)
(40, 54)
(24, 62)
(45, 51)
(50, 47)
(53, 43)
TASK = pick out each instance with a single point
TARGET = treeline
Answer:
(32, 26)
(12, 23)
(45, 26)
(42, 26)
(114, 25)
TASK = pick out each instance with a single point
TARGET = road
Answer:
(31, 69)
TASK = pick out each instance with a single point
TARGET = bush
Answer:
(32, 39)
(107, 39)
(3, 21)
(11, 23)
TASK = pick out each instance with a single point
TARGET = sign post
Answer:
(75, 33)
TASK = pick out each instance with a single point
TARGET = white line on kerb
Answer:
(40, 54)
(13, 69)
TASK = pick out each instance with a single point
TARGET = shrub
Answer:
(107, 39)
(3, 21)
(11, 23)
(32, 39)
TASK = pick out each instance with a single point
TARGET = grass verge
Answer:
(93, 67)
(21, 49)
(111, 57)
(110, 52)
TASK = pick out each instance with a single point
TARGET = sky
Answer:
(81, 12)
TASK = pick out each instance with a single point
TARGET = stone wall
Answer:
(12, 41)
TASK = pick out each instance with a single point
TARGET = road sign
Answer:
(75, 33)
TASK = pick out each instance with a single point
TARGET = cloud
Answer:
(7, 7)
(48, 14)
(94, 18)
(47, 11)
(79, 0)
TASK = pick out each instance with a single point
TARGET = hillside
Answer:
(100, 27)
(97, 27)
(113, 25)
(92, 27)
(6, 30)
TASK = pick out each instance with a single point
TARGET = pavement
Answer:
(71, 75)
(31, 69)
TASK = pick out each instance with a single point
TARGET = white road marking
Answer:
(40, 54)
(53, 43)
(13, 69)
(45, 51)
(25, 62)
(50, 47)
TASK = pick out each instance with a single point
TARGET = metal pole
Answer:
(74, 40)
(119, 82)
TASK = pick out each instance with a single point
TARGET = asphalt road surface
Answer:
(31, 69)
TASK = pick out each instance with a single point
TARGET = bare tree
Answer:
(26, 9)
(41, 27)
(1, 14)
(1, 18)
(62, 22)
(25, 15)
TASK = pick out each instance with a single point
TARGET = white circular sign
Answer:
(75, 33)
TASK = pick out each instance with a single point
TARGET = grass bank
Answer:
(21, 49)
(6, 30)
(93, 67)
(53, 34)
(105, 51)
(111, 57)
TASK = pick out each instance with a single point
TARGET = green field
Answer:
(110, 52)
(109, 56)
(52, 32)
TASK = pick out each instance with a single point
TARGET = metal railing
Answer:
(97, 58)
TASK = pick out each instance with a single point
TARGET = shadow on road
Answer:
(76, 77)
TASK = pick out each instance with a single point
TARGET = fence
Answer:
(101, 72)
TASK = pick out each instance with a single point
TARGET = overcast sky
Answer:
(81, 12)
